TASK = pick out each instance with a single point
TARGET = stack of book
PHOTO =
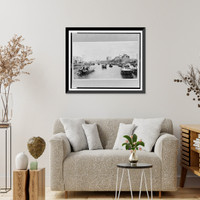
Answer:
(196, 143)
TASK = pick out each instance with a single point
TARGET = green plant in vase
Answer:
(133, 144)
(36, 147)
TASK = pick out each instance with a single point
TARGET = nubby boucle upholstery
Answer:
(95, 170)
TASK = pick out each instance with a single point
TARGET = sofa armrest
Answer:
(59, 149)
(166, 149)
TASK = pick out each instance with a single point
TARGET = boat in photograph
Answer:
(127, 71)
(104, 67)
(84, 71)
(118, 67)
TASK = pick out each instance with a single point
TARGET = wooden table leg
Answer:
(160, 194)
(66, 194)
(183, 176)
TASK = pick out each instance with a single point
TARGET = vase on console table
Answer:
(14, 57)
(6, 108)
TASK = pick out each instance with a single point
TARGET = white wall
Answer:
(172, 43)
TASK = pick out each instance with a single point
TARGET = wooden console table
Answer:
(190, 157)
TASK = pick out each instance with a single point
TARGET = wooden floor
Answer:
(182, 193)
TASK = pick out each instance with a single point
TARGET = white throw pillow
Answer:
(124, 129)
(148, 130)
(75, 134)
(92, 136)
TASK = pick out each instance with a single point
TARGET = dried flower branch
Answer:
(14, 57)
(192, 80)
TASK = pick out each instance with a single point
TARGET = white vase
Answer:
(21, 161)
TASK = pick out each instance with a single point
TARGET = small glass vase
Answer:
(6, 108)
(133, 159)
(34, 165)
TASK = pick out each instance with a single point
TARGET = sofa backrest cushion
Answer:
(108, 128)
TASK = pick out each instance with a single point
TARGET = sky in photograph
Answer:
(92, 51)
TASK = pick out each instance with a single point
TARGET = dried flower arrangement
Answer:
(13, 58)
(192, 80)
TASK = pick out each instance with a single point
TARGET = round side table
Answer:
(127, 166)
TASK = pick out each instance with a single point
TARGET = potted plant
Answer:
(133, 144)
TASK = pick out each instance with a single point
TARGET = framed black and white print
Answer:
(105, 60)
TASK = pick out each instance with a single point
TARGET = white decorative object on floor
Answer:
(21, 161)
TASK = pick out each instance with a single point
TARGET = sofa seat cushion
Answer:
(90, 170)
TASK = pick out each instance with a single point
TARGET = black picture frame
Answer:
(90, 49)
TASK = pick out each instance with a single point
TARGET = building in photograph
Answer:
(77, 60)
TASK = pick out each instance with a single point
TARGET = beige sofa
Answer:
(95, 170)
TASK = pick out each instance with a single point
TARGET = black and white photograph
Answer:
(105, 60)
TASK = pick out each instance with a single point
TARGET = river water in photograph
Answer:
(113, 72)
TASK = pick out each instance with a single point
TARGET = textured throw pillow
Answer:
(75, 134)
(92, 136)
(124, 129)
(148, 130)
